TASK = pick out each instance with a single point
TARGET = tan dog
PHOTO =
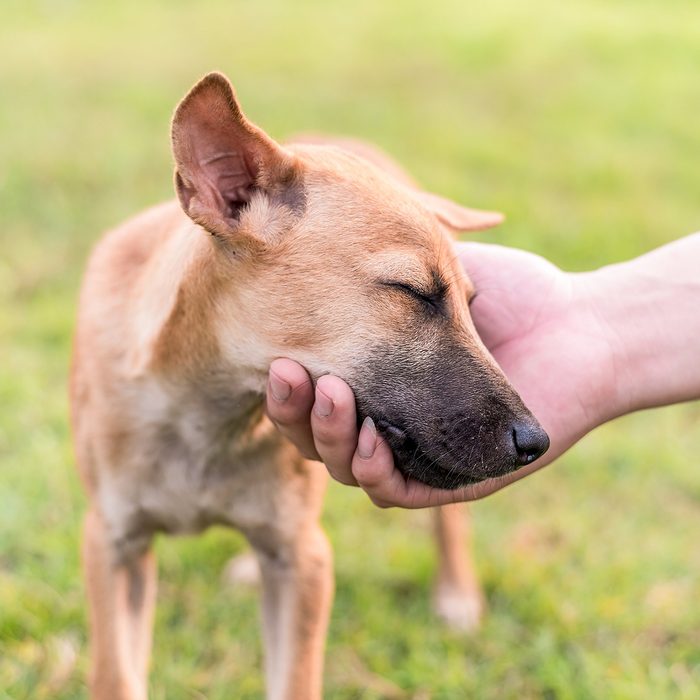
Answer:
(309, 252)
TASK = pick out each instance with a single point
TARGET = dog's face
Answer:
(337, 265)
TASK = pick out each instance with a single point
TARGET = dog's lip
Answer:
(391, 430)
(386, 426)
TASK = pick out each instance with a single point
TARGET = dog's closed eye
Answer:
(432, 299)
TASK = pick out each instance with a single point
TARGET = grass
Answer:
(578, 119)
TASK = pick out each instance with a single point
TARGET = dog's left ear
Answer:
(457, 217)
(221, 159)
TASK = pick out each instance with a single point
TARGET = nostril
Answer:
(530, 442)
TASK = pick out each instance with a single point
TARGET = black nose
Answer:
(530, 441)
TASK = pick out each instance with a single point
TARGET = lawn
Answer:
(578, 119)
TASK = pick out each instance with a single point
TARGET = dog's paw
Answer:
(461, 610)
(242, 570)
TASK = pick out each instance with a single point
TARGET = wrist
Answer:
(603, 372)
(646, 310)
(610, 314)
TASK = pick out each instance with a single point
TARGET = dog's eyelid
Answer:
(415, 289)
(432, 299)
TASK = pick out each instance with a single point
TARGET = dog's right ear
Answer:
(456, 217)
(221, 159)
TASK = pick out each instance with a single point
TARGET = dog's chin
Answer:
(417, 463)
(434, 475)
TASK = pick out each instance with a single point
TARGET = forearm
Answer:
(649, 309)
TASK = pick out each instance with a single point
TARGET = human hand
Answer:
(542, 329)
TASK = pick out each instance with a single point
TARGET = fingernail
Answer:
(367, 442)
(323, 406)
(279, 388)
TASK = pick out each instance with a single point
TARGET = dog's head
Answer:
(336, 264)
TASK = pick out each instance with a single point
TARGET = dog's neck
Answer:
(184, 298)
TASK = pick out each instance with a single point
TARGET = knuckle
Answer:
(341, 478)
(343, 405)
(327, 434)
(301, 439)
(286, 415)
(279, 422)
(301, 395)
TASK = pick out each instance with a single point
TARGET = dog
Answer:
(323, 253)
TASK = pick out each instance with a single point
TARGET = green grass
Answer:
(578, 119)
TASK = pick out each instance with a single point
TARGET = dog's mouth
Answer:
(415, 462)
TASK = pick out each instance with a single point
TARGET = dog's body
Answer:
(176, 331)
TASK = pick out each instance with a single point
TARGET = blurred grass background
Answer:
(578, 119)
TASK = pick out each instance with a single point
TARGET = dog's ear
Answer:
(457, 217)
(221, 159)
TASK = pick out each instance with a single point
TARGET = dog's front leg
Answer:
(297, 589)
(121, 596)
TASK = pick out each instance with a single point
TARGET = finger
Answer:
(373, 468)
(334, 427)
(290, 396)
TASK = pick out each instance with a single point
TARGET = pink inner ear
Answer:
(217, 153)
(221, 183)
(231, 178)
(220, 171)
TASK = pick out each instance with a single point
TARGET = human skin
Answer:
(580, 348)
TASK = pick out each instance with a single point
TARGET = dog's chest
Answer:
(195, 461)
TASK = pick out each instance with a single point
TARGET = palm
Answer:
(528, 313)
